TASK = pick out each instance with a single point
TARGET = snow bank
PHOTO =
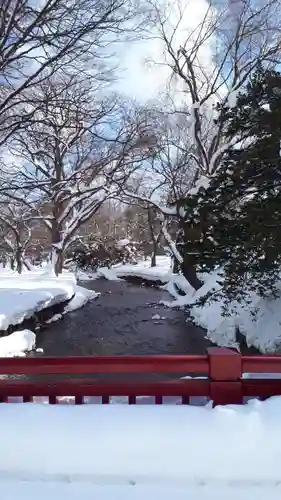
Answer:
(123, 243)
(85, 276)
(17, 344)
(172, 446)
(81, 297)
(54, 318)
(23, 295)
(162, 272)
(259, 321)
(75, 491)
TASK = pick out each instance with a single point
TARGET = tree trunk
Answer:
(27, 264)
(190, 273)
(154, 239)
(57, 260)
(185, 262)
(176, 266)
(57, 250)
(153, 255)
(18, 258)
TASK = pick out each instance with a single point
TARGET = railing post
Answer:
(225, 372)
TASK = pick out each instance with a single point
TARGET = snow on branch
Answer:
(168, 211)
(171, 243)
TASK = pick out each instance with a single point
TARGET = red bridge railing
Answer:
(220, 377)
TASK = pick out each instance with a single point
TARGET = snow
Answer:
(232, 97)
(123, 243)
(17, 344)
(259, 321)
(54, 318)
(22, 295)
(75, 491)
(85, 276)
(58, 246)
(32, 291)
(156, 316)
(133, 452)
(171, 244)
(81, 297)
(203, 182)
(266, 106)
(162, 272)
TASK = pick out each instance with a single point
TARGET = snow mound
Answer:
(23, 295)
(162, 272)
(88, 491)
(54, 318)
(17, 344)
(123, 243)
(108, 274)
(231, 446)
(259, 321)
(81, 297)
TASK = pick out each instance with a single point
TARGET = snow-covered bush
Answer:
(106, 254)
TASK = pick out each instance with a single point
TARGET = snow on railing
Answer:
(218, 376)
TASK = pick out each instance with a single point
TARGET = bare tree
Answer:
(39, 38)
(16, 232)
(76, 145)
(209, 65)
(238, 36)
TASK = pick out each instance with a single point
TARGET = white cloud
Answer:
(143, 81)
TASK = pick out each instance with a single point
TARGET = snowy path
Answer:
(135, 452)
(120, 322)
(75, 491)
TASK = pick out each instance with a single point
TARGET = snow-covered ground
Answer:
(261, 329)
(259, 320)
(22, 295)
(32, 291)
(76, 491)
(17, 344)
(136, 452)
(162, 272)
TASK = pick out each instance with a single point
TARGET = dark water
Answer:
(120, 322)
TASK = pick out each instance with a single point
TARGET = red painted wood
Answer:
(224, 386)
(263, 388)
(225, 373)
(185, 400)
(105, 364)
(225, 393)
(158, 400)
(261, 364)
(27, 399)
(187, 387)
(224, 364)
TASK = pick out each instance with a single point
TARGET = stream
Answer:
(125, 319)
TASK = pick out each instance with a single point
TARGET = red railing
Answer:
(221, 370)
